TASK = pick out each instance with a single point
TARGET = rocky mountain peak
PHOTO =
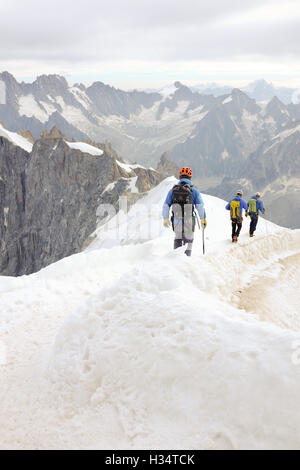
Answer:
(164, 158)
(183, 92)
(99, 86)
(12, 87)
(240, 96)
(46, 80)
(8, 78)
(167, 167)
(27, 135)
(51, 84)
(243, 101)
(108, 149)
(178, 84)
(275, 103)
(278, 111)
(53, 134)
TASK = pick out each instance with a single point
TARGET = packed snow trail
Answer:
(275, 292)
(132, 345)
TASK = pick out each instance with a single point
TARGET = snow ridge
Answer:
(121, 360)
(85, 148)
(16, 139)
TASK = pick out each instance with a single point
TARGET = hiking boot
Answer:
(188, 252)
(234, 239)
(252, 235)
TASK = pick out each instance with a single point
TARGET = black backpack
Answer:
(182, 195)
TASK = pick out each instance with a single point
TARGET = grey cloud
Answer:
(90, 31)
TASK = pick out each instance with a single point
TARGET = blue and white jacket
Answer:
(243, 204)
(197, 201)
(259, 205)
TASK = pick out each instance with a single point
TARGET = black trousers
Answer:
(253, 223)
(236, 228)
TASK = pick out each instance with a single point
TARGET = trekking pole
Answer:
(203, 238)
(197, 218)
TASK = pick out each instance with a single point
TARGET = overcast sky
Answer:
(141, 43)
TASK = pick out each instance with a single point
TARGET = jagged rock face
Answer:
(112, 101)
(13, 164)
(147, 179)
(63, 189)
(50, 199)
(275, 170)
(27, 135)
(167, 167)
(184, 94)
(275, 160)
(55, 85)
(222, 140)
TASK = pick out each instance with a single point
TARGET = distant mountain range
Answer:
(259, 90)
(221, 134)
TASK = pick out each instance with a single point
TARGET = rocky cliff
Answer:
(167, 167)
(13, 165)
(49, 198)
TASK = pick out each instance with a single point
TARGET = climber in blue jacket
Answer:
(236, 207)
(184, 199)
(255, 205)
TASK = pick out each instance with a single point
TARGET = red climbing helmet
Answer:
(185, 171)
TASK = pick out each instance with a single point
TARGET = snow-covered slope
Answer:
(16, 139)
(133, 345)
(85, 148)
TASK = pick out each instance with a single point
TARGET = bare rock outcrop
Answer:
(49, 199)
(167, 167)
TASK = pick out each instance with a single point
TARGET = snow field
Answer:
(85, 148)
(144, 343)
(132, 345)
(16, 139)
(177, 362)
